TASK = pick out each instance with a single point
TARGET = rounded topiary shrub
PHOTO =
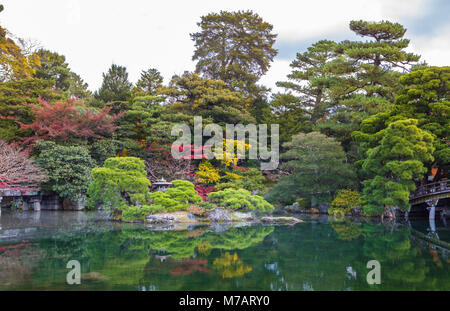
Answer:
(240, 199)
(120, 182)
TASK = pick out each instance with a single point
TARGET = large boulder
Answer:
(219, 215)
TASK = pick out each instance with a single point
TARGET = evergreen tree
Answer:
(371, 73)
(211, 99)
(15, 97)
(115, 86)
(150, 81)
(54, 67)
(308, 97)
(424, 97)
(393, 164)
(318, 169)
(235, 47)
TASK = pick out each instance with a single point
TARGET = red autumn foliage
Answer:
(190, 265)
(190, 152)
(203, 191)
(64, 120)
(17, 170)
(240, 168)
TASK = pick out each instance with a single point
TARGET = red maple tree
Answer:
(65, 120)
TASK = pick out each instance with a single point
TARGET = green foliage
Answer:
(236, 47)
(147, 123)
(393, 163)
(345, 201)
(251, 179)
(115, 85)
(425, 97)
(134, 213)
(179, 197)
(240, 199)
(150, 81)
(367, 74)
(101, 150)
(120, 182)
(211, 99)
(14, 99)
(68, 168)
(54, 67)
(308, 96)
(318, 169)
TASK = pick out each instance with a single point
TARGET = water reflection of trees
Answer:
(311, 255)
(17, 262)
(404, 264)
(135, 255)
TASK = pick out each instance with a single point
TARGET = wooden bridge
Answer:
(432, 191)
(431, 194)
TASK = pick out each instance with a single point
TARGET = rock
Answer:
(292, 220)
(219, 215)
(294, 208)
(160, 219)
(93, 276)
(242, 216)
(190, 216)
(314, 210)
(78, 205)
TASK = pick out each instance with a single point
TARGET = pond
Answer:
(319, 254)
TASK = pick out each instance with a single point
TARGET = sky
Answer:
(138, 34)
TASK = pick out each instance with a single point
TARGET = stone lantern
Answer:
(161, 185)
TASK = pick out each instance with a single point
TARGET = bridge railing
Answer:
(432, 188)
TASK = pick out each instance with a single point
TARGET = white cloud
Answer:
(278, 71)
(433, 50)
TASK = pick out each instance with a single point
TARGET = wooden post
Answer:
(432, 213)
(432, 208)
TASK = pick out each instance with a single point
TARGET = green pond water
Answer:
(319, 254)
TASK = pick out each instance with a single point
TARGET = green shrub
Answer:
(68, 168)
(240, 199)
(120, 182)
(179, 197)
(251, 179)
(345, 201)
(133, 213)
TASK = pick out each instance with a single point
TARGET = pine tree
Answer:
(235, 47)
(150, 81)
(115, 85)
(393, 165)
(308, 93)
(318, 169)
(211, 99)
(371, 73)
